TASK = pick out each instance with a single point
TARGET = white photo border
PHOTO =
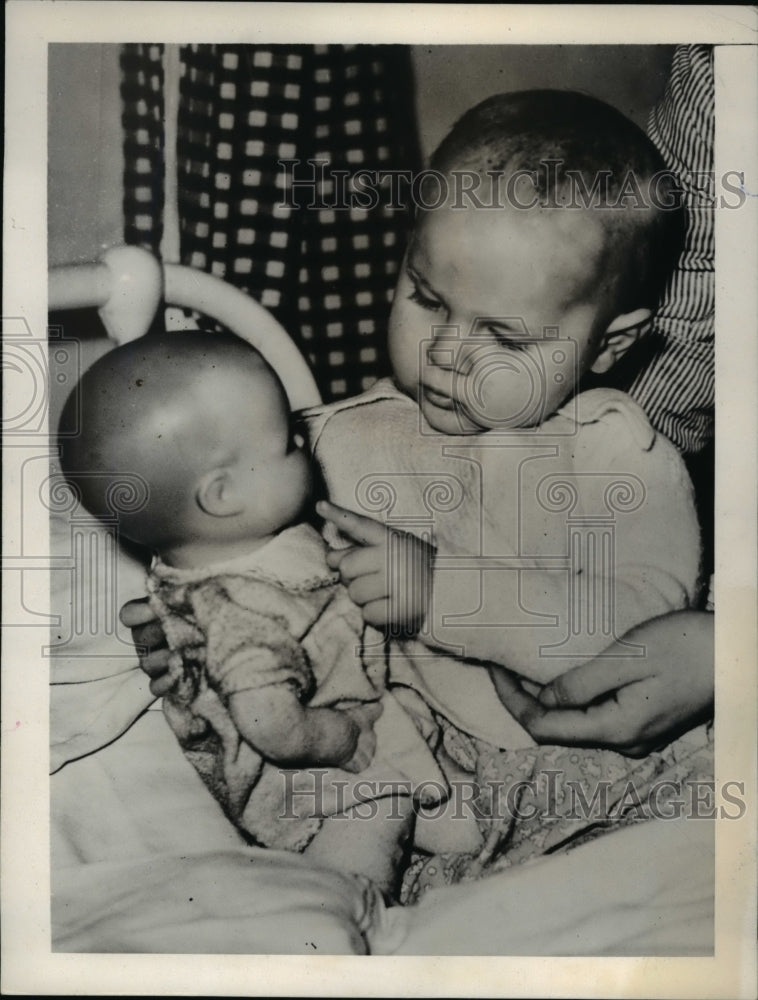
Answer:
(29, 964)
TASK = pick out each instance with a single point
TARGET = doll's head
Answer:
(204, 421)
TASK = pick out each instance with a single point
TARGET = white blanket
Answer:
(144, 861)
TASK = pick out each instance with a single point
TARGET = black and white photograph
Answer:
(482, 279)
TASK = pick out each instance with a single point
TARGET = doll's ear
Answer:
(217, 494)
(621, 334)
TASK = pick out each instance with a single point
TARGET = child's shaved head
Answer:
(579, 151)
(163, 408)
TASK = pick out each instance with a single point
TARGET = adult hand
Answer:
(630, 704)
(388, 573)
(150, 641)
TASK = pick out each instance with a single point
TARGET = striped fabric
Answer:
(676, 388)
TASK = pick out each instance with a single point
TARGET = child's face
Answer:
(501, 285)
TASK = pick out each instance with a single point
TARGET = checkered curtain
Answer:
(326, 273)
(142, 120)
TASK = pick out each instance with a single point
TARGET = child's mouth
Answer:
(438, 399)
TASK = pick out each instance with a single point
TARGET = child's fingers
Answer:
(362, 562)
(365, 589)
(364, 530)
(335, 556)
(377, 613)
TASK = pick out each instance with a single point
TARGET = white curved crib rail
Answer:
(128, 284)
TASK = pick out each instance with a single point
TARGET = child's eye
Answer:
(512, 339)
(417, 296)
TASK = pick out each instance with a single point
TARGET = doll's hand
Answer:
(150, 640)
(388, 573)
(365, 716)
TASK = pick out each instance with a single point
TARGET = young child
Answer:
(559, 519)
(266, 643)
(528, 524)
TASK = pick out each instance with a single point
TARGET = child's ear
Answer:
(621, 334)
(217, 494)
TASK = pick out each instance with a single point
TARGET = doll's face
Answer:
(228, 467)
(270, 467)
(204, 425)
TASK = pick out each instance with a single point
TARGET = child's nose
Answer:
(444, 347)
(458, 355)
(443, 353)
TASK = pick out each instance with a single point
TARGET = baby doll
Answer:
(266, 644)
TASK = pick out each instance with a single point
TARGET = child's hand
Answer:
(365, 716)
(388, 573)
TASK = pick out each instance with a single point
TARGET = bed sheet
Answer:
(645, 890)
(144, 861)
